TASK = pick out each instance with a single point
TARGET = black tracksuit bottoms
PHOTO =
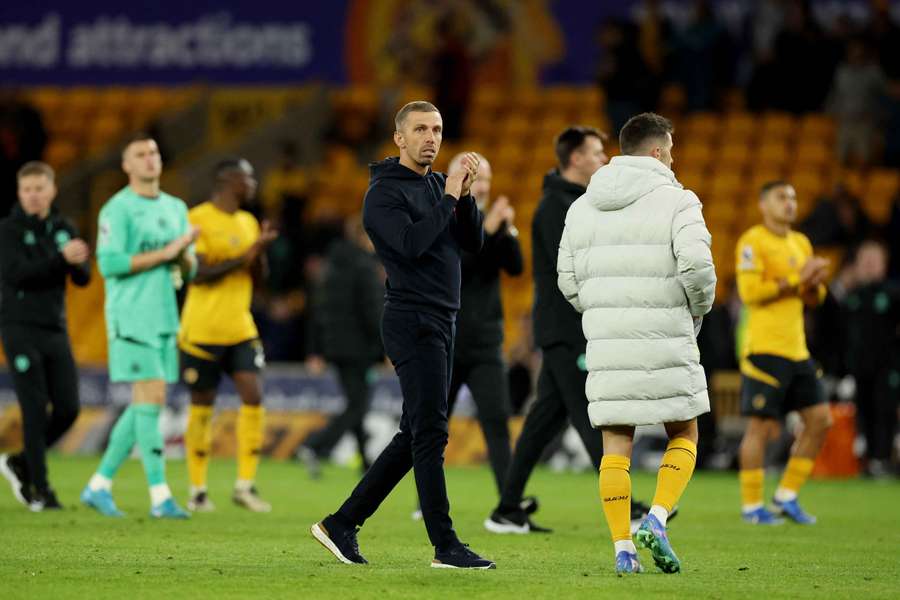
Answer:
(560, 400)
(354, 383)
(485, 375)
(43, 373)
(420, 344)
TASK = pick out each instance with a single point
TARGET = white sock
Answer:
(625, 546)
(243, 485)
(99, 482)
(660, 513)
(751, 507)
(159, 493)
(783, 495)
(197, 490)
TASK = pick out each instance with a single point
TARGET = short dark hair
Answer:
(139, 136)
(640, 128)
(771, 185)
(35, 167)
(571, 139)
(415, 106)
(225, 167)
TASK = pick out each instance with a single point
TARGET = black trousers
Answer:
(485, 375)
(352, 377)
(560, 400)
(43, 373)
(421, 347)
(877, 401)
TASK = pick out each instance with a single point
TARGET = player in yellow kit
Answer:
(218, 333)
(777, 277)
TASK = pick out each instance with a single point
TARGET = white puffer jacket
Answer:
(635, 260)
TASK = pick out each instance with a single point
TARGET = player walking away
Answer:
(144, 253)
(39, 250)
(635, 260)
(418, 221)
(346, 332)
(777, 276)
(478, 358)
(218, 334)
(557, 331)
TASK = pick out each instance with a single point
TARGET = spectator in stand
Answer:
(856, 100)
(22, 139)
(703, 58)
(837, 220)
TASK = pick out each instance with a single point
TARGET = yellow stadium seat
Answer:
(694, 154)
(726, 184)
(60, 153)
(883, 182)
(733, 156)
(854, 180)
(816, 126)
(703, 125)
(812, 153)
(739, 127)
(772, 155)
(693, 179)
(777, 126)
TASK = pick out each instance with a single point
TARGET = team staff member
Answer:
(218, 333)
(478, 360)
(557, 331)
(777, 275)
(419, 221)
(346, 332)
(39, 251)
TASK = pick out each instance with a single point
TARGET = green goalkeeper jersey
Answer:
(139, 306)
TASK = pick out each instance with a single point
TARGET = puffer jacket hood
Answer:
(627, 178)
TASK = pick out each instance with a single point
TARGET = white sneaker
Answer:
(249, 499)
(200, 502)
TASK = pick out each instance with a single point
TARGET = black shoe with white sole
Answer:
(513, 522)
(339, 540)
(14, 469)
(460, 557)
(44, 500)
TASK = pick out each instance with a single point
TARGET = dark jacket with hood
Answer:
(479, 328)
(33, 271)
(555, 321)
(347, 306)
(418, 233)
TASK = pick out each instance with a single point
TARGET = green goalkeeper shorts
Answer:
(132, 360)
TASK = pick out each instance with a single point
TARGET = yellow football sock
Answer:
(675, 471)
(615, 493)
(250, 439)
(198, 443)
(795, 475)
(751, 487)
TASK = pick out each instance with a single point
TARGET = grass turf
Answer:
(76, 553)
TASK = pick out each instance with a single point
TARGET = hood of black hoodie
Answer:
(554, 182)
(390, 168)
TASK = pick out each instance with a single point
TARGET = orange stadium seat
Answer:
(60, 153)
(812, 153)
(726, 184)
(694, 179)
(772, 155)
(777, 126)
(694, 154)
(739, 127)
(816, 126)
(699, 126)
(733, 157)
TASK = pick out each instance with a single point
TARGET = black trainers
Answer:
(44, 500)
(339, 540)
(460, 557)
(14, 469)
(529, 505)
(513, 522)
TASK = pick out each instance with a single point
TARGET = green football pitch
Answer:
(854, 551)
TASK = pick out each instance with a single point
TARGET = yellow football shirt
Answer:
(774, 324)
(218, 312)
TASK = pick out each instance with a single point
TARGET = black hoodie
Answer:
(555, 320)
(33, 271)
(418, 232)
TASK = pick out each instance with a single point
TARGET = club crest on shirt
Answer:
(103, 233)
(62, 237)
(747, 257)
(793, 262)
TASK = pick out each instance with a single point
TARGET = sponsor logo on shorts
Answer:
(190, 375)
(758, 402)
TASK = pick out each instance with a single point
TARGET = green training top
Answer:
(139, 306)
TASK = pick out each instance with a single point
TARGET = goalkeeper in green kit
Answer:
(144, 252)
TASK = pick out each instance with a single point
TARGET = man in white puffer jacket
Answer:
(635, 260)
